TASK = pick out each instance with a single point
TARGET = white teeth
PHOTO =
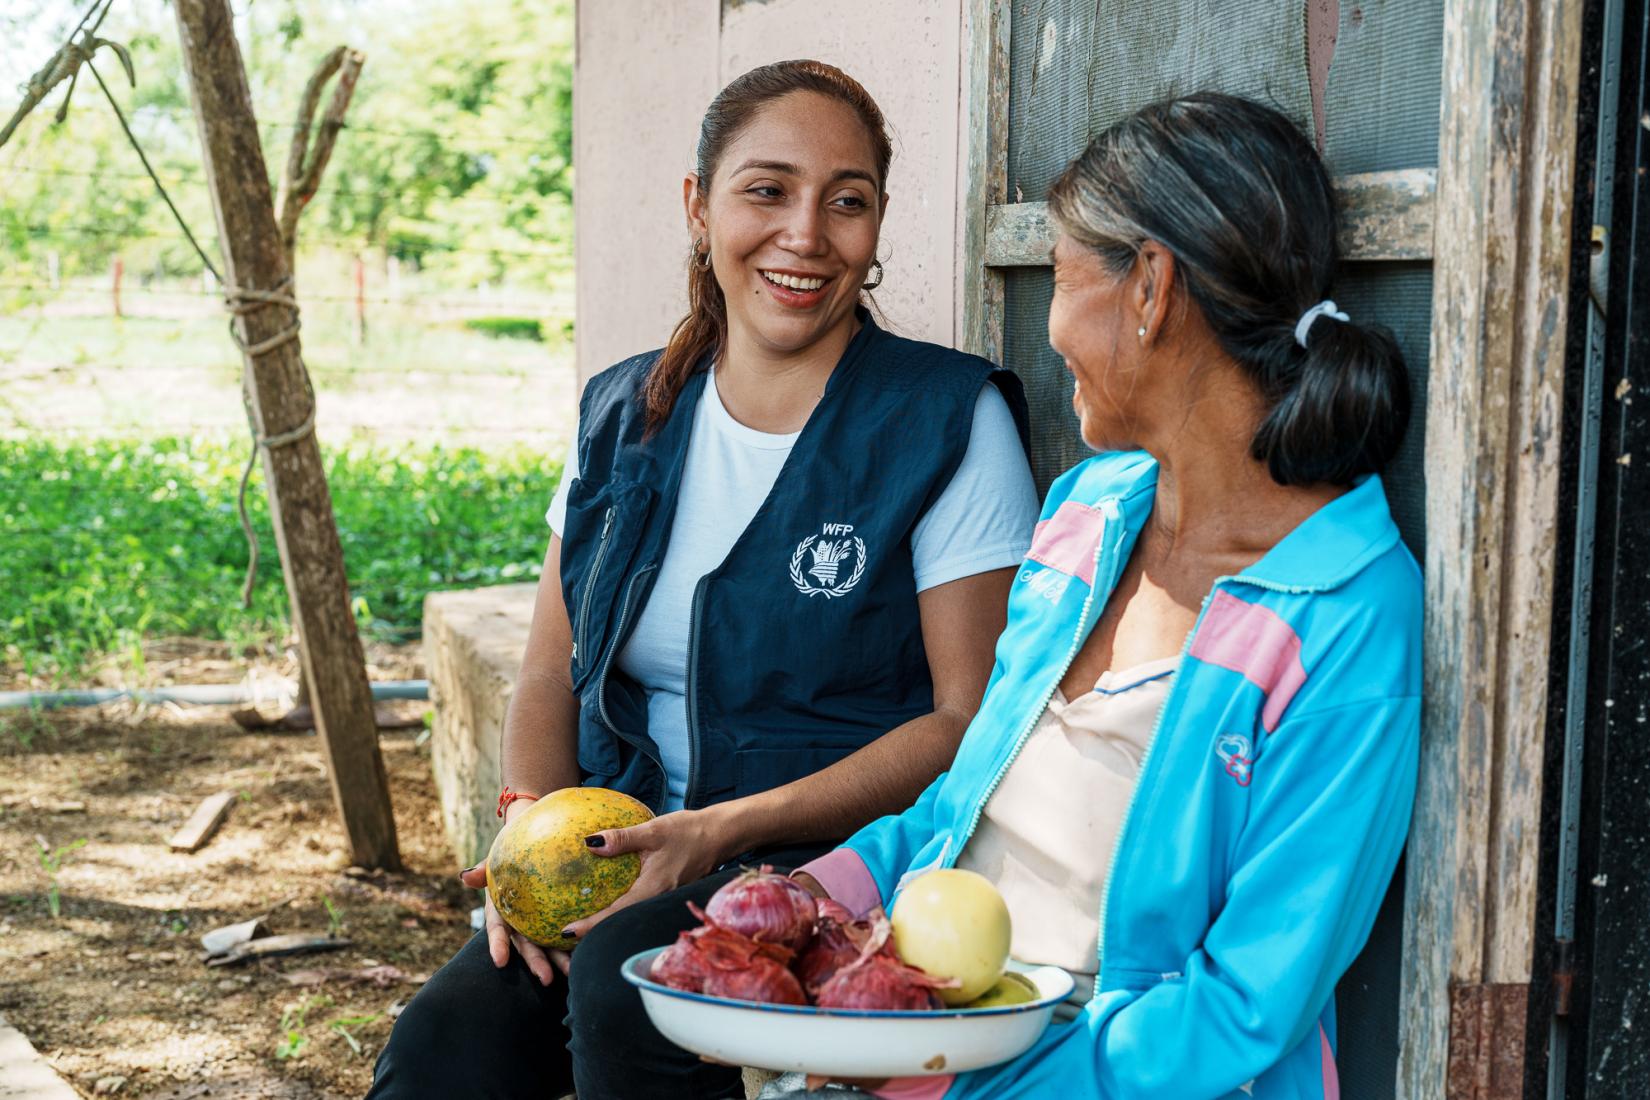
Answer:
(792, 281)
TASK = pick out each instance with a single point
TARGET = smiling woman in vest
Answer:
(781, 554)
(1193, 768)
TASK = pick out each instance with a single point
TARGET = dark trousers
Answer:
(475, 1030)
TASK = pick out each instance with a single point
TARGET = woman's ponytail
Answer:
(700, 333)
(1344, 410)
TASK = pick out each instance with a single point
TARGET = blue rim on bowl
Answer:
(636, 968)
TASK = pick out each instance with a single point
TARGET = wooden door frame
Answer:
(1494, 219)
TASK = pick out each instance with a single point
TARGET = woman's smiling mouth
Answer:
(793, 290)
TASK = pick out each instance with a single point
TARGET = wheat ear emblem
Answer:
(827, 556)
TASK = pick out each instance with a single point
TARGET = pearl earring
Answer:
(1141, 332)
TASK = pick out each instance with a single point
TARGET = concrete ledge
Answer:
(473, 642)
(24, 1075)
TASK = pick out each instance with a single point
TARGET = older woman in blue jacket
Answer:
(1194, 766)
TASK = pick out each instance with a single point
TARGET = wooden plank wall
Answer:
(982, 118)
(1384, 216)
(1495, 219)
(1505, 180)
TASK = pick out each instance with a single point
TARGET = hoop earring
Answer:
(873, 285)
(701, 259)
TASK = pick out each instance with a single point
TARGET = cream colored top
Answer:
(1049, 830)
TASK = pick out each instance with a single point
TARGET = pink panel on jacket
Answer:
(1067, 539)
(1331, 1077)
(1254, 641)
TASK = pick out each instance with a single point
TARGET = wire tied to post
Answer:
(240, 301)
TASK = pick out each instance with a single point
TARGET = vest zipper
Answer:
(613, 650)
(689, 793)
(579, 637)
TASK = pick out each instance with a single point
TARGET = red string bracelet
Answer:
(507, 796)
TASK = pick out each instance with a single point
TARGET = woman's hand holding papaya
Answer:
(543, 962)
(676, 849)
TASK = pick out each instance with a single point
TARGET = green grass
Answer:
(108, 542)
(508, 328)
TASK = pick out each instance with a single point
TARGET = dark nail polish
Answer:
(595, 841)
(569, 933)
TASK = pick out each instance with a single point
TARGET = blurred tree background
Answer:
(456, 158)
(435, 276)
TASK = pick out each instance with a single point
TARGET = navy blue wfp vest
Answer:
(805, 644)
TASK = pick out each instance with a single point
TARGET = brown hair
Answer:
(1244, 203)
(705, 328)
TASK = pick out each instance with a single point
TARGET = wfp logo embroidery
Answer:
(1233, 749)
(830, 563)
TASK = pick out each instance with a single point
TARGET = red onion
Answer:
(681, 965)
(766, 907)
(880, 982)
(830, 907)
(839, 943)
(762, 980)
(702, 953)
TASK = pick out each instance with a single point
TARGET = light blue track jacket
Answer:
(1271, 805)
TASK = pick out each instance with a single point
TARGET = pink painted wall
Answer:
(643, 72)
(646, 70)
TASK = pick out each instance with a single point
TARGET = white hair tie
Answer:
(1325, 308)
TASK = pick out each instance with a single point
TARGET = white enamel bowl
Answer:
(847, 1042)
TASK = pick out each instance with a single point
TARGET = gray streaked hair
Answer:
(1236, 193)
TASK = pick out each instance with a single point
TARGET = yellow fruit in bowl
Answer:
(953, 924)
(1011, 989)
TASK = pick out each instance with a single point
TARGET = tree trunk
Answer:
(281, 401)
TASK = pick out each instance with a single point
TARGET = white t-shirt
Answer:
(982, 521)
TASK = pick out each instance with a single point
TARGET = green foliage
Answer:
(293, 1020)
(456, 154)
(51, 862)
(342, 1024)
(335, 916)
(108, 542)
(513, 328)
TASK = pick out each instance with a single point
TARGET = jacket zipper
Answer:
(613, 650)
(1145, 759)
(1031, 721)
(690, 793)
(590, 582)
(1134, 795)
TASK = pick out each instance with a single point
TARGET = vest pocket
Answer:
(604, 525)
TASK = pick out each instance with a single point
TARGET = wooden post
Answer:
(117, 268)
(280, 398)
(360, 300)
(983, 136)
(1506, 162)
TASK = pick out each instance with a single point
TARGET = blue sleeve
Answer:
(889, 844)
(1333, 792)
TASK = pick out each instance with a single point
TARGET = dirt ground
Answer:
(112, 990)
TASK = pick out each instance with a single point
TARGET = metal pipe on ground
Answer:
(197, 694)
